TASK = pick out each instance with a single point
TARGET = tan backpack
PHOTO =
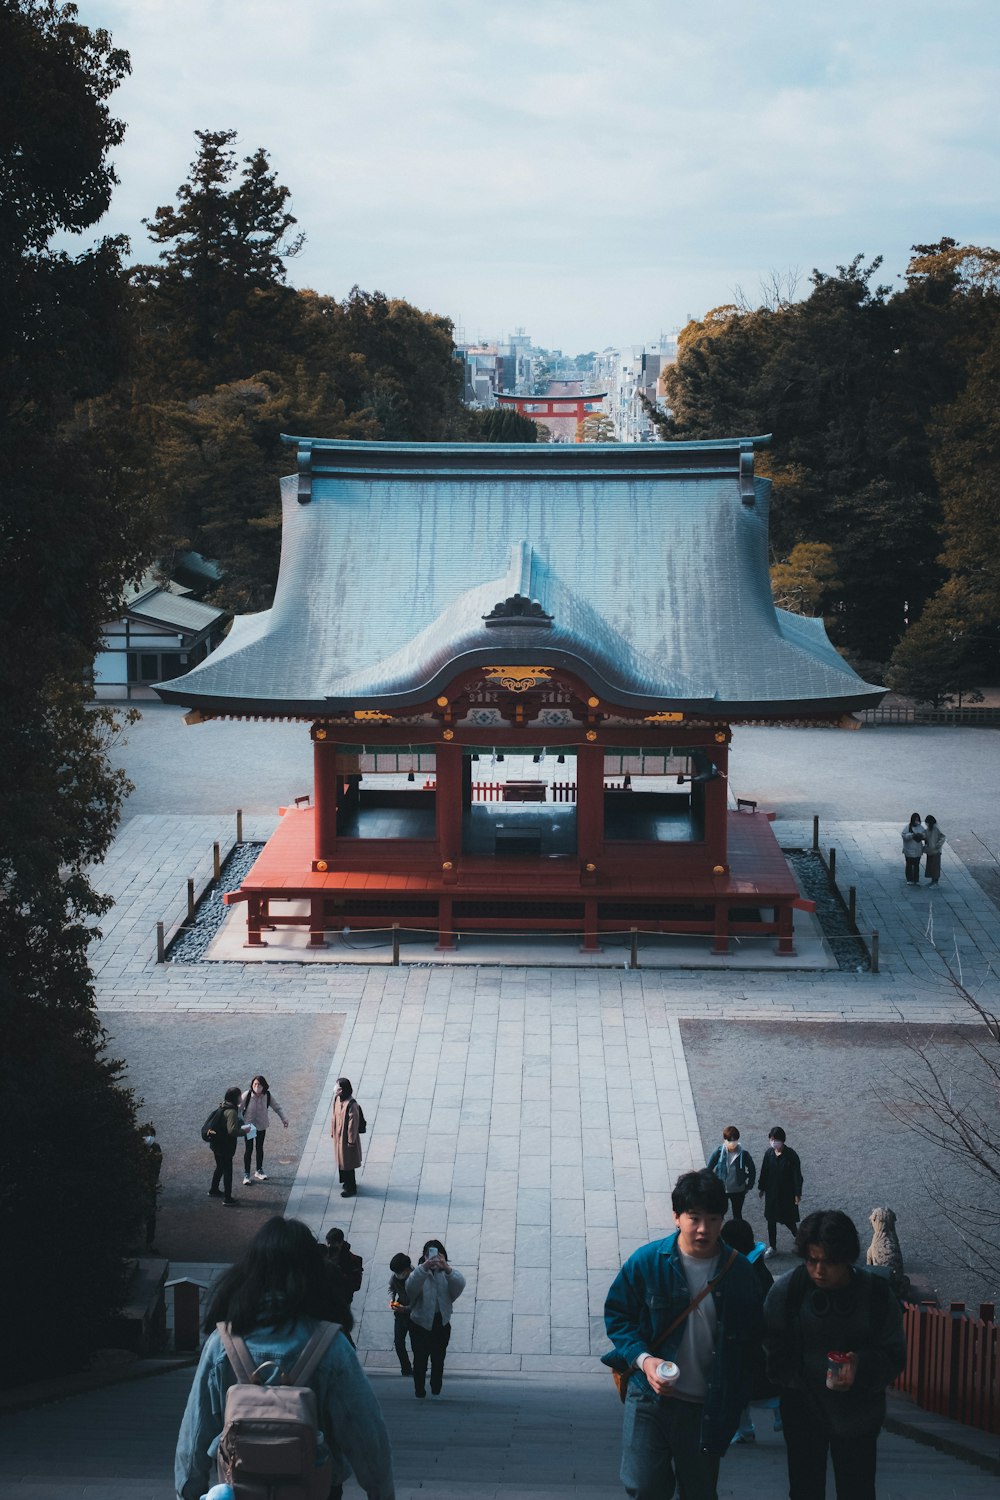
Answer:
(270, 1432)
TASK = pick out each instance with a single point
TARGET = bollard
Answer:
(216, 861)
(187, 1304)
(833, 867)
(395, 944)
(161, 950)
(634, 954)
(874, 952)
(190, 899)
(852, 905)
(239, 825)
(816, 831)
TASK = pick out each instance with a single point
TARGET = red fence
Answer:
(953, 1363)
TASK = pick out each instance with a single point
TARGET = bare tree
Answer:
(958, 1111)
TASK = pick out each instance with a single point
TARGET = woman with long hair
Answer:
(275, 1297)
(432, 1289)
(255, 1103)
(345, 1128)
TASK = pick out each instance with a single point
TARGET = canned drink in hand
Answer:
(837, 1366)
(668, 1372)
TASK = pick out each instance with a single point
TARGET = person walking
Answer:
(400, 1267)
(153, 1163)
(346, 1127)
(684, 1315)
(834, 1340)
(224, 1142)
(432, 1288)
(255, 1104)
(914, 837)
(734, 1168)
(780, 1186)
(738, 1235)
(275, 1297)
(934, 842)
(346, 1269)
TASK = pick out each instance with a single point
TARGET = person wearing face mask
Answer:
(734, 1168)
(255, 1104)
(432, 1289)
(780, 1186)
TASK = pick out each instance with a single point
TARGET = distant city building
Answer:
(632, 376)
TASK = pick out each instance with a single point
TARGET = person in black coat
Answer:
(780, 1186)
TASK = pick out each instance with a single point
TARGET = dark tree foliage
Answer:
(502, 424)
(71, 535)
(852, 382)
(226, 357)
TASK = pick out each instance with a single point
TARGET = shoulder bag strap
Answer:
(238, 1355)
(311, 1355)
(695, 1302)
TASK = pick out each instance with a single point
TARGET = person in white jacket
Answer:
(432, 1289)
(934, 842)
(255, 1104)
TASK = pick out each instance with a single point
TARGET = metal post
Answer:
(190, 899)
(216, 861)
(161, 951)
(395, 944)
(816, 831)
(634, 955)
(874, 952)
(239, 825)
(833, 867)
(852, 905)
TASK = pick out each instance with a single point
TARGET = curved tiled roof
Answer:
(647, 563)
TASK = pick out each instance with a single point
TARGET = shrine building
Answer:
(602, 612)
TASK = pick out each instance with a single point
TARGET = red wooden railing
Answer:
(953, 1363)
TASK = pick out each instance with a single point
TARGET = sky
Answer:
(592, 171)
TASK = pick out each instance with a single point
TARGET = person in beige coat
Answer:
(345, 1128)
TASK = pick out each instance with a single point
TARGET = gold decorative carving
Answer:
(441, 702)
(321, 865)
(664, 718)
(448, 734)
(720, 738)
(321, 734)
(372, 716)
(593, 702)
(518, 679)
(592, 734)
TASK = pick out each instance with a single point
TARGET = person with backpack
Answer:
(834, 1340)
(734, 1168)
(347, 1127)
(222, 1131)
(255, 1104)
(268, 1309)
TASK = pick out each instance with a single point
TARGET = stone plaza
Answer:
(535, 1117)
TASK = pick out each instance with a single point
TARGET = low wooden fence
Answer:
(953, 1363)
(985, 718)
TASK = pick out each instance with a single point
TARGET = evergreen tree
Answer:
(71, 535)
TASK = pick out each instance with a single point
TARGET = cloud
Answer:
(606, 168)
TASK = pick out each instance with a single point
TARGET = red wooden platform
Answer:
(629, 888)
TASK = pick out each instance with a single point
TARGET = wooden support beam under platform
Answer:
(622, 886)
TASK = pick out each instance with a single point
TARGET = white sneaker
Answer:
(246, 1181)
(261, 1176)
(769, 1252)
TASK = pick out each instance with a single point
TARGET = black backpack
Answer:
(215, 1125)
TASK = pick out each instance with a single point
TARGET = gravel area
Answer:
(830, 1086)
(191, 943)
(179, 1066)
(831, 913)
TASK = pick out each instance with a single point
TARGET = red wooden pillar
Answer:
(716, 806)
(255, 918)
(324, 796)
(449, 803)
(721, 943)
(589, 804)
(786, 919)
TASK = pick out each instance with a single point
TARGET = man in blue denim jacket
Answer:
(676, 1431)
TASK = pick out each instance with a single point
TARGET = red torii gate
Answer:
(577, 406)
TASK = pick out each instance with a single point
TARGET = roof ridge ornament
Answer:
(305, 473)
(518, 609)
(747, 493)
